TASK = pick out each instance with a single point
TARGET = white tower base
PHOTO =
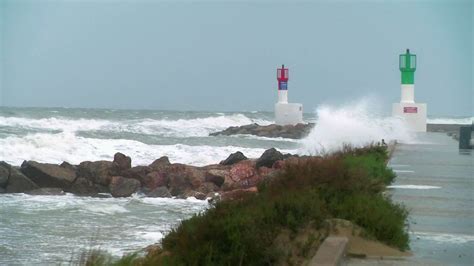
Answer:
(414, 114)
(288, 113)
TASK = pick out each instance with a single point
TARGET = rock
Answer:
(159, 163)
(199, 195)
(159, 192)
(154, 179)
(241, 175)
(238, 194)
(99, 172)
(269, 157)
(123, 187)
(183, 177)
(234, 158)
(192, 193)
(122, 161)
(4, 174)
(48, 175)
(19, 183)
(207, 187)
(138, 172)
(69, 166)
(46, 191)
(272, 131)
(278, 164)
(85, 187)
(216, 176)
(2, 190)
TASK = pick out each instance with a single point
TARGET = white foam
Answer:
(247, 136)
(403, 171)
(66, 146)
(105, 209)
(451, 121)
(195, 127)
(445, 238)
(55, 123)
(151, 236)
(357, 124)
(413, 187)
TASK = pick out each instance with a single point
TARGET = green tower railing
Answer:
(408, 67)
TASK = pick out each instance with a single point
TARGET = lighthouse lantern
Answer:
(408, 67)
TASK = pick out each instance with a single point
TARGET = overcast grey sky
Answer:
(185, 55)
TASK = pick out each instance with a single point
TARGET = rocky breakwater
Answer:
(230, 179)
(297, 131)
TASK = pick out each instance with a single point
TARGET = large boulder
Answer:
(216, 176)
(160, 163)
(269, 157)
(234, 158)
(241, 175)
(99, 172)
(68, 166)
(123, 187)
(18, 182)
(85, 187)
(182, 177)
(4, 174)
(154, 179)
(208, 187)
(48, 175)
(138, 172)
(122, 162)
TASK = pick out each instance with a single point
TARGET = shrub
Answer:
(346, 184)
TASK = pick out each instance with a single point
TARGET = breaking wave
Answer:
(195, 127)
(355, 124)
(66, 146)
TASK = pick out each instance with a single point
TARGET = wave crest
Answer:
(355, 124)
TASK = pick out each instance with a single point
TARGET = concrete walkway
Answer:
(331, 252)
(435, 182)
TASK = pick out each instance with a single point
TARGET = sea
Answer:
(45, 230)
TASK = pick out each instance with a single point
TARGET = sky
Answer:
(223, 55)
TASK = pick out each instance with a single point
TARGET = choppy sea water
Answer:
(54, 229)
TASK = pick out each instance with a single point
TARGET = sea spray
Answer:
(355, 124)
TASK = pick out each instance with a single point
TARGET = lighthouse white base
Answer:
(414, 115)
(288, 113)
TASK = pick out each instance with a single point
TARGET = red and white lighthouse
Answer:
(282, 77)
(286, 113)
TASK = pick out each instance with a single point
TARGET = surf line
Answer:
(414, 187)
(403, 171)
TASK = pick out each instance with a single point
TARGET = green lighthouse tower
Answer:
(408, 67)
(414, 114)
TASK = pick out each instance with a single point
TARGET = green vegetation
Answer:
(347, 185)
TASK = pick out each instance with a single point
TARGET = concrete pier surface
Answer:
(435, 181)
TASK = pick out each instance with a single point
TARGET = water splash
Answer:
(356, 124)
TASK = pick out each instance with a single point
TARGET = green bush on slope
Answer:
(346, 185)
